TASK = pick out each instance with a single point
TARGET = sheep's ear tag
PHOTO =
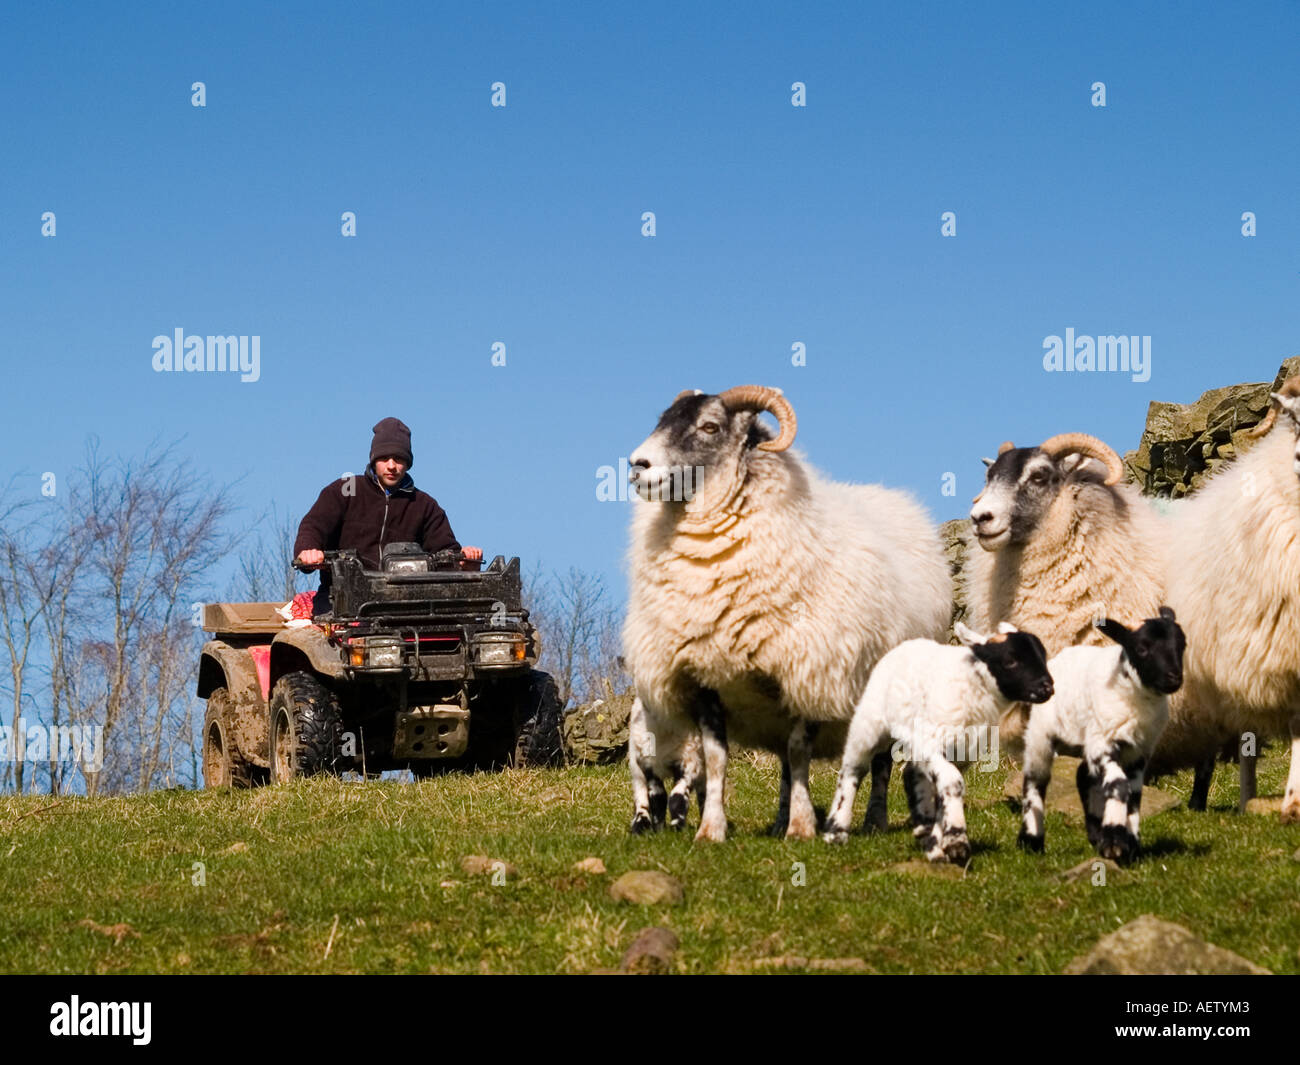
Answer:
(967, 635)
(1004, 447)
(988, 461)
(1007, 627)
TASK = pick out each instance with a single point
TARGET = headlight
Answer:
(406, 565)
(377, 652)
(500, 648)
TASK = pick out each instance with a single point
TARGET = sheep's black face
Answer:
(1154, 650)
(1018, 662)
(1018, 490)
(694, 435)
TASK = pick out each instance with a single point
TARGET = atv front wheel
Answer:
(223, 765)
(306, 728)
(537, 724)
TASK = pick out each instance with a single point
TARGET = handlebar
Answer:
(447, 556)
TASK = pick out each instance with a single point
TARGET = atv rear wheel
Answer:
(306, 733)
(223, 765)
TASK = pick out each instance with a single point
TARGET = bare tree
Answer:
(20, 610)
(151, 529)
(266, 573)
(580, 633)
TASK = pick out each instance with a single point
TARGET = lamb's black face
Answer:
(1018, 662)
(1154, 649)
(1018, 489)
(693, 435)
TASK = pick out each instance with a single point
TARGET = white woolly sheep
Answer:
(939, 706)
(1234, 571)
(762, 595)
(1110, 707)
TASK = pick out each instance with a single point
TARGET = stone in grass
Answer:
(646, 887)
(651, 952)
(1086, 870)
(943, 870)
(1149, 946)
(482, 865)
(593, 866)
(1063, 792)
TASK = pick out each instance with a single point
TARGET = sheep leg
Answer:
(1090, 796)
(1201, 781)
(679, 799)
(782, 822)
(955, 847)
(1291, 799)
(865, 736)
(642, 813)
(919, 787)
(1247, 777)
(713, 738)
(1033, 818)
(1135, 774)
(803, 818)
(877, 819)
(1117, 843)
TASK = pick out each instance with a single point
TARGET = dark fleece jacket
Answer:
(356, 512)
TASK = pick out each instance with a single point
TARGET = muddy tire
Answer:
(223, 765)
(537, 725)
(306, 728)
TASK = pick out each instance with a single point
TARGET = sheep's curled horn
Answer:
(1083, 444)
(758, 397)
(1290, 388)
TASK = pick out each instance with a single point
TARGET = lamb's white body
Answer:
(1234, 580)
(1102, 713)
(778, 594)
(939, 707)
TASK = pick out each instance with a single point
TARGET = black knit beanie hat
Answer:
(392, 437)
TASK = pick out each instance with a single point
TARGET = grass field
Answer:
(332, 876)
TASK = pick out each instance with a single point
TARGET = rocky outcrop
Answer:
(1183, 444)
(596, 734)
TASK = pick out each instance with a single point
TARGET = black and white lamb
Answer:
(1110, 707)
(933, 703)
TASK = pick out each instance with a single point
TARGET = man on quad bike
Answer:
(381, 507)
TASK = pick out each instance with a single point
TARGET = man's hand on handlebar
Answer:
(470, 557)
(309, 559)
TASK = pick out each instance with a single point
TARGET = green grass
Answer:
(281, 863)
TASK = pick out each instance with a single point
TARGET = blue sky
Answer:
(522, 225)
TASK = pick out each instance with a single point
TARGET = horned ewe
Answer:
(1110, 707)
(1234, 579)
(936, 704)
(1061, 545)
(761, 594)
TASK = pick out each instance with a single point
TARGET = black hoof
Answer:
(640, 825)
(1032, 844)
(1117, 844)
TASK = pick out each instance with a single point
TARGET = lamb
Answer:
(936, 702)
(1234, 572)
(761, 594)
(1110, 707)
